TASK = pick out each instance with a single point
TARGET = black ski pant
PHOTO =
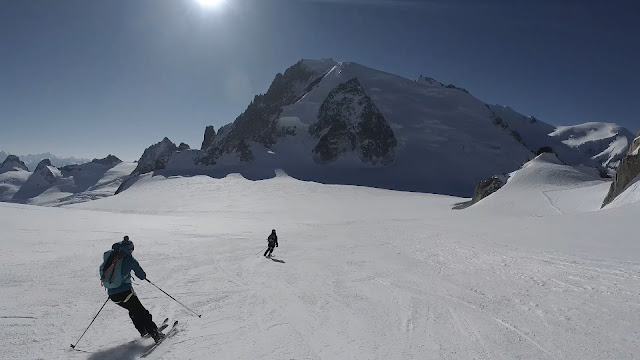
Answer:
(141, 318)
(269, 251)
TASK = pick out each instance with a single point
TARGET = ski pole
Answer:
(149, 281)
(262, 250)
(94, 319)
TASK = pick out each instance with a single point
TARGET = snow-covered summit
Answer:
(605, 143)
(43, 177)
(45, 163)
(12, 163)
(428, 81)
(426, 137)
(156, 156)
(110, 160)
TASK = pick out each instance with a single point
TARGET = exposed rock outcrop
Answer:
(628, 172)
(43, 164)
(258, 123)
(156, 156)
(110, 160)
(488, 186)
(348, 120)
(209, 137)
(545, 149)
(12, 163)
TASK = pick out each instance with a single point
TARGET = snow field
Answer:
(360, 273)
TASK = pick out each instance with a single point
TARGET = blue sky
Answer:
(89, 78)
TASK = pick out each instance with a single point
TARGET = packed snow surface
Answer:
(360, 273)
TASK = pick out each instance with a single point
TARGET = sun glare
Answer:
(210, 3)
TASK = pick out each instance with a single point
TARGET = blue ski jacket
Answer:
(129, 263)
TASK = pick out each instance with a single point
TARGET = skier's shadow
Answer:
(277, 260)
(128, 351)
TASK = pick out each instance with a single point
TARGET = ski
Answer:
(162, 326)
(169, 334)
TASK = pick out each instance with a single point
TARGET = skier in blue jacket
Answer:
(124, 295)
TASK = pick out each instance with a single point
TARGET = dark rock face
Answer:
(258, 123)
(43, 169)
(183, 146)
(12, 163)
(628, 171)
(348, 120)
(451, 86)
(498, 121)
(110, 160)
(156, 156)
(43, 164)
(487, 187)
(209, 137)
(545, 149)
(429, 81)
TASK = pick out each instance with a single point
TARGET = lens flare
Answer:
(210, 3)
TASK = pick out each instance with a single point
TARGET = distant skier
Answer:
(273, 242)
(115, 274)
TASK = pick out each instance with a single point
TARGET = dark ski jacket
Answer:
(129, 263)
(273, 240)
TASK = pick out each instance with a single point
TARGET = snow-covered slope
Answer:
(360, 273)
(631, 195)
(605, 143)
(10, 183)
(13, 174)
(346, 123)
(545, 186)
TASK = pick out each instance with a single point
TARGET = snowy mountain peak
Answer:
(44, 176)
(428, 81)
(12, 163)
(110, 160)
(259, 122)
(605, 143)
(156, 156)
(43, 164)
(326, 121)
(319, 66)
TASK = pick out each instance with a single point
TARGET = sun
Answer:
(210, 3)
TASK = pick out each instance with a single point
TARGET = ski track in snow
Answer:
(360, 274)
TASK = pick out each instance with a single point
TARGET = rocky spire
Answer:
(209, 137)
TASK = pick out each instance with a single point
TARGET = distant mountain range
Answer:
(345, 123)
(32, 160)
(50, 185)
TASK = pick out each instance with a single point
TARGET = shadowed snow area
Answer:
(531, 272)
